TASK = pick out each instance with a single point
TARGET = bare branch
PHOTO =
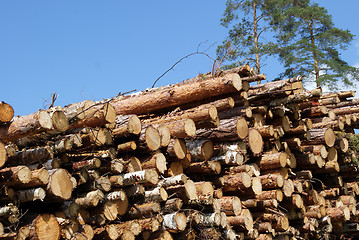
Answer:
(180, 60)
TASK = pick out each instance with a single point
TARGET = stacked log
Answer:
(208, 158)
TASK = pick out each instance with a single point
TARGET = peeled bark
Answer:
(175, 95)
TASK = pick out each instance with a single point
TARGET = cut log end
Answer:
(3, 154)
(190, 127)
(242, 128)
(255, 141)
(134, 125)
(6, 112)
(237, 81)
(152, 138)
(329, 137)
(45, 227)
(60, 184)
(59, 121)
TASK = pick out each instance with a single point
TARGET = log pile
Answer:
(213, 157)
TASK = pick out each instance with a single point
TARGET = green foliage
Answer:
(303, 36)
(309, 43)
(244, 42)
(354, 141)
(354, 146)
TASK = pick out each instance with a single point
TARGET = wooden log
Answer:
(243, 221)
(115, 233)
(236, 181)
(144, 210)
(175, 95)
(186, 192)
(174, 222)
(172, 205)
(272, 160)
(15, 176)
(145, 176)
(6, 112)
(126, 125)
(126, 147)
(200, 149)
(165, 135)
(149, 224)
(229, 129)
(30, 156)
(316, 149)
(271, 181)
(156, 161)
(158, 194)
(260, 204)
(321, 136)
(175, 168)
(45, 226)
(339, 214)
(3, 154)
(95, 137)
(30, 195)
(90, 199)
(180, 129)
(206, 168)
(271, 194)
(133, 164)
(99, 115)
(60, 185)
(206, 219)
(149, 139)
(93, 163)
(172, 181)
(34, 123)
(204, 112)
(344, 111)
(255, 141)
(177, 148)
(241, 111)
(231, 205)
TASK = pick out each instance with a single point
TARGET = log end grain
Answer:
(152, 138)
(236, 81)
(190, 127)
(165, 135)
(60, 184)
(255, 141)
(134, 125)
(178, 148)
(6, 112)
(242, 128)
(59, 121)
(44, 119)
(45, 227)
(329, 137)
(3, 154)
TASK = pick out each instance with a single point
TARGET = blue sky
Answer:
(96, 49)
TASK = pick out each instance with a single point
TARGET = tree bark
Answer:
(175, 95)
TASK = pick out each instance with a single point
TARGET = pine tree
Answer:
(247, 23)
(309, 43)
